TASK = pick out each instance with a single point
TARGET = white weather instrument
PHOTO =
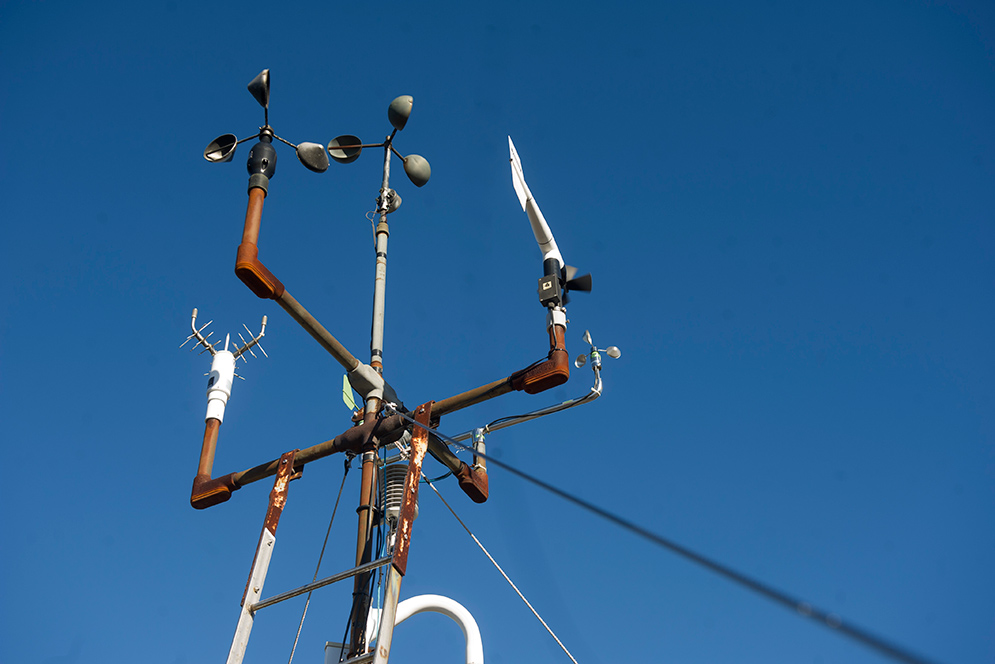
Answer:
(558, 277)
(222, 374)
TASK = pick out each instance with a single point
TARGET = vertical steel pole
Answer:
(264, 552)
(361, 592)
(380, 284)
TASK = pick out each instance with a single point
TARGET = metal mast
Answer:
(384, 419)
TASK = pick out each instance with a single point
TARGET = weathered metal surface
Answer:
(278, 496)
(277, 501)
(316, 330)
(554, 371)
(385, 430)
(248, 268)
(474, 396)
(246, 618)
(364, 543)
(208, 447)
(385, 636)
(253, 216)
(205, 491)
(262, 557)
(473, 482)
(419, 444)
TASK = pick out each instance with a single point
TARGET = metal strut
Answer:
(261, 560)
(419, 445)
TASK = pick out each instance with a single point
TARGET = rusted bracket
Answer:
(545, 375)
(261, 559)
(206, 491)
(419, 445)
(535, 378)
(277, 501)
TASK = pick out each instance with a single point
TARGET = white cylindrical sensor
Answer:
(219, 384)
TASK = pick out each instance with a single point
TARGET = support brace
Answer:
(419, 445)
(261, 560)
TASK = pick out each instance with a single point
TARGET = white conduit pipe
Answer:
(451, 608)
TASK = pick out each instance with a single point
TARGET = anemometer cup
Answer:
(399, 111)
(221, 149)
(417, 169)
(259, 88)
(313, 157)
(348, 154)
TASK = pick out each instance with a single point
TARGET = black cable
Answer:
(830, 620)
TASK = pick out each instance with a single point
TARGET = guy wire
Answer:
(831, 620)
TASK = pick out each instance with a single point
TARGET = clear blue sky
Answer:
(789, 212)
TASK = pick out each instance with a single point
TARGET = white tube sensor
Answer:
(219, 384)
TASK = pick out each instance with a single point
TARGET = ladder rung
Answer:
(359, 659)
(321, 583)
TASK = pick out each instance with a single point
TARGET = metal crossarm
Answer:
(321, 583)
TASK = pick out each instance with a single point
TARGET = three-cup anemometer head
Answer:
(343, 149)
(595, 353)
(346, 148)
(222, 149)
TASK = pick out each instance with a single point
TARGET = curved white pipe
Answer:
(451, 608)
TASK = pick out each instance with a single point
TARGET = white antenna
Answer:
(222, 372)
(196, 334)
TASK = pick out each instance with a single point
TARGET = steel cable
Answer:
(827, 619)
(506, 577)
(348, 465)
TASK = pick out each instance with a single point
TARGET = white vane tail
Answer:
(540, 228)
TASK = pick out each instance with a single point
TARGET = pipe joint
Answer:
(254, 274)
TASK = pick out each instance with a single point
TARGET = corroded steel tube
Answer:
(253, 216)
(208, 447)
(316, 330)
(474, 396)
(385, 430)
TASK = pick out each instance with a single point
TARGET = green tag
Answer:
(347, 397)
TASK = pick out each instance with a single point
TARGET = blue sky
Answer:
(788, 212)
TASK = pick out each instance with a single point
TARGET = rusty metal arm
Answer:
(208, 492)
(506, 422)
(250, 270)
(535, 378)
